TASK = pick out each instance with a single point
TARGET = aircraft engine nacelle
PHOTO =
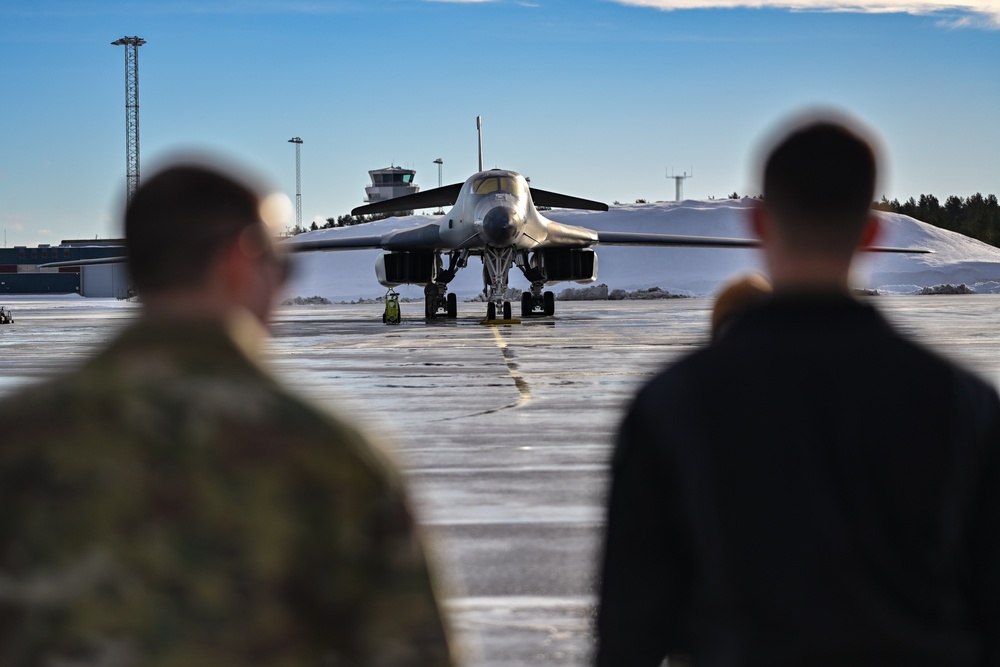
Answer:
(559, 265)
(406, 268)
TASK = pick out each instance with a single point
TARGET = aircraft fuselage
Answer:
(495, 209)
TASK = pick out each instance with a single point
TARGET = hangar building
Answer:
(21, 271)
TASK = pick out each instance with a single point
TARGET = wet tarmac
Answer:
(503, 432)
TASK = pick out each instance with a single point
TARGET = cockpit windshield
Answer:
(491, 184)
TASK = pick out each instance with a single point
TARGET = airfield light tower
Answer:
(679, 183)
(298, 182)
(131, 45)
(440, 163)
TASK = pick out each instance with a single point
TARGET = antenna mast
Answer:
(131, 45)
(479, 128)
(298, 183)
(679, 183)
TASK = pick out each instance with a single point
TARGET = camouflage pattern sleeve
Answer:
(396, 620)
(169, 505)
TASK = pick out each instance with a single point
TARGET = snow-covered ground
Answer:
(349, 275)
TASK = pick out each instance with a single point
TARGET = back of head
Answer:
(179, 221)
(819, 182)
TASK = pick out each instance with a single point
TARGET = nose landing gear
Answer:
(496, 267)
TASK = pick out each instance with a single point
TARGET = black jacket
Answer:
(812, 489)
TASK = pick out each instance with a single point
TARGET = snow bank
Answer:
(956, 259)
(307, 301)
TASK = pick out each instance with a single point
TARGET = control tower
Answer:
(389, 183)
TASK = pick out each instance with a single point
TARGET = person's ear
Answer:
(237, 268)
(871, 232)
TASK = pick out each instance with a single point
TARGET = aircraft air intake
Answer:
(501, 226)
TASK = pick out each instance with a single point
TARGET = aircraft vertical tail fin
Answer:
(479, 129)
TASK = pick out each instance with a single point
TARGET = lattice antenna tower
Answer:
(298, 182)
(131, 45)
(679, 183)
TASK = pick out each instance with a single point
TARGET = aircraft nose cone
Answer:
(500, 226)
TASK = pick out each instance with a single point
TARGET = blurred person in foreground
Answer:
(168, 504)
(811, 488)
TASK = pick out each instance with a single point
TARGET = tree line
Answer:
(348, 221)
(977, 216)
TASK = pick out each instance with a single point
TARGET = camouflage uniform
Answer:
(169, 505)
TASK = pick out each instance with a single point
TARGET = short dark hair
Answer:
(820, 182)
(178, 222)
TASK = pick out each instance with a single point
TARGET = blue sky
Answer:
(596, 98)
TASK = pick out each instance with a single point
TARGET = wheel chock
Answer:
(500, 321)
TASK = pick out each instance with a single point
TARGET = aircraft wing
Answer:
(443, 196)
(636, 238)
(335, 243)
(639, 239)
(556, 200)
(425, 237)
(917, 251)
(85, 262)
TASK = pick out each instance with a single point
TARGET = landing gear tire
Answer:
(526, 305)
(491, 311)
(452, 306)
(549, 302)
(506, 310)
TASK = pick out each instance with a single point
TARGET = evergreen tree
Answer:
(976, 216)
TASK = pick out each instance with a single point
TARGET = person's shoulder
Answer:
(325, 434)
(683, 377)
(40, 400)
(974, 394)
(920, 356)
(300, 416)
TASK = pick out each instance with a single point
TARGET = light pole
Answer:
(440, 163)
(298, 183)
(131, 45)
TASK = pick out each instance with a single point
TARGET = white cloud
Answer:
(972, 12)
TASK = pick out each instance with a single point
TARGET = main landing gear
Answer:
(537, 300)
(436, 297)
(437, 300)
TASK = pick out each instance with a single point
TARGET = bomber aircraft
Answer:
(494, 216)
